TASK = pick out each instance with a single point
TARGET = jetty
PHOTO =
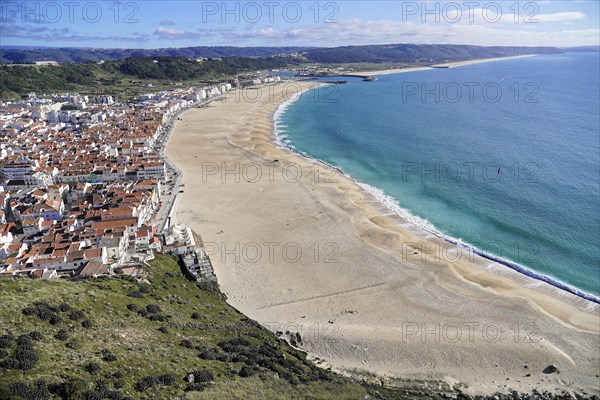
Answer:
(366, 78)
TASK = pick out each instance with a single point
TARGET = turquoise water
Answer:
(504, 156)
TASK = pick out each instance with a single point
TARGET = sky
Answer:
(173, 23)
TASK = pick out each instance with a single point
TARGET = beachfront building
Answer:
(80, 182)
(179, 240)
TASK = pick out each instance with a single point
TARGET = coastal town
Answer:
(86, 189)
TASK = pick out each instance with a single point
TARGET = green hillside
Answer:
(118, 339)
(128, 77)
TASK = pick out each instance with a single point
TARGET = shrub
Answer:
(240, 358)
(76, 315)
(247, 371)
(43, 311)
(19, 389)
(95, 395)
(157, 317)
(187, 344)
(24, 341)
(25, 355)
(39, 391)
(208, 287)
(267, 364)
(72, 345)
(153, 308)
(93, 368)
(196, 315)
(208, 354)
(3, 353)
(64, 307)
(167, 379)
(233, 345)
(195, 387)
(62, 335)
(144, 289)
(29, 311)
(136, 295)
(108, 356)
(146, 383)
(132, 307)
(11, 363)
(87, 324)
(72, 388)
(143, 313)
(35, 335)
(6, 341)
(203, 376)
(163, 329)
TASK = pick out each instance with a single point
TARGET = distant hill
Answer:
(13, 54)
(124, 77)
(119, 76)
(129, 76)
(401, 53)
(581, 49)
(418, 53)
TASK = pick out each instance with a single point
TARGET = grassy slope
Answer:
(34, 79)
(141, 349)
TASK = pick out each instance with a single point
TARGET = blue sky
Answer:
(157, 24)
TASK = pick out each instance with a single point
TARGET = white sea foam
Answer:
(280, 127)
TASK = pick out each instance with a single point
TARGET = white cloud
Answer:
(357, 31)
(561, 17)
(169, 32)
(177, 34)
(493, 16)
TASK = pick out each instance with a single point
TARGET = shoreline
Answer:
(443, 65)
(266, 295)
(392, 205)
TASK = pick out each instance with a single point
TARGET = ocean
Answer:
(503, 156)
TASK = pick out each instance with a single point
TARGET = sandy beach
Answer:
(444, 65)
(300, 247)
